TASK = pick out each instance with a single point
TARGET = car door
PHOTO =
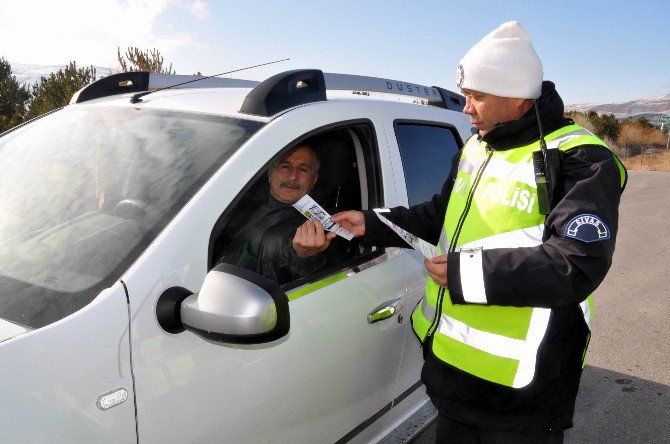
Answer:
(421, 143)
(322, 382)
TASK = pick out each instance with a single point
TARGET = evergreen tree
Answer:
(13, 98)
(606, 126)
(645, 123)
(56, 90)
(137, 60)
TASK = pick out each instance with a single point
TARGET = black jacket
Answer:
(557, 274)
(260, 239)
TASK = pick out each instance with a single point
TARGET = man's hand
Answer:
(352, 221)
(437, 269)
(311, 239)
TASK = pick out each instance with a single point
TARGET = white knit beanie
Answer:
(503, 63)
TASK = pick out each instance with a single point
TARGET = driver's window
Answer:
(336, 169)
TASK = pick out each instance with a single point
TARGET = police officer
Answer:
(525, 225)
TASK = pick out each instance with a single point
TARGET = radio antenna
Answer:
(138, 97)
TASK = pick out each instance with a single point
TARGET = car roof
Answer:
(253, 100)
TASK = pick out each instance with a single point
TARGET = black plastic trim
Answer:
(368, 422)
(125, 82)
(450, 100)
(407, 392)
(168, 308)
(285, 90)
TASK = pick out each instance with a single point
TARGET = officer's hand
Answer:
(352, 221)
(437, 269)
(311, 239)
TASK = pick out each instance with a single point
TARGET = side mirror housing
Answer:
(234, 305)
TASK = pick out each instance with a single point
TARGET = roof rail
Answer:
(277, 93)
(347, 82)
(133, 82)
(292, 88)
(450, 100)
(285, 90)
(124, 82)
(435, 95)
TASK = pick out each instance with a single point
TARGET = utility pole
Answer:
(666, 119)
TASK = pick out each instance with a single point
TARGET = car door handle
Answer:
(386, 310)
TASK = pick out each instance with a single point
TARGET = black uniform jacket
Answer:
(558, 274)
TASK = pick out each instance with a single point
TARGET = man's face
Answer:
(487, 110)
(293, 175)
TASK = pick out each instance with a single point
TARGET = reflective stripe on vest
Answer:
(496, 343)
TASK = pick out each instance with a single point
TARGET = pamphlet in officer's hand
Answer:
(313, 211)
(428, 250)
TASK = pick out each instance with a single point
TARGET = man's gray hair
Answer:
(317, 161)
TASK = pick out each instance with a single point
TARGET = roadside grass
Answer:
(659, 161)
(633, 136)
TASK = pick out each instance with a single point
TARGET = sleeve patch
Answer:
(587, 228)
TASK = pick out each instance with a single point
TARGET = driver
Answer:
(273, 238)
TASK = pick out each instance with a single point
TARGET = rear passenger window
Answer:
(426, 152)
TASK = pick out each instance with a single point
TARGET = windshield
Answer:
(84, 190)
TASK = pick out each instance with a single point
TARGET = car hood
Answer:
(8, 330)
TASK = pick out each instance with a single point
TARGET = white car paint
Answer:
(333, 377)
(308, 386)
(52, 377)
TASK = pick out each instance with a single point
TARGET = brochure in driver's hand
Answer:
(428, 250)
(313, 211)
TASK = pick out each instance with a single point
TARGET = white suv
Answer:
(115, 326)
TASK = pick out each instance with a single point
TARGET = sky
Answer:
(595, 51)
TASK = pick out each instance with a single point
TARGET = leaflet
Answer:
(428, 250)
(313, 211)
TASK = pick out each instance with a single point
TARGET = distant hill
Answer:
(650, 108)
(29, 74)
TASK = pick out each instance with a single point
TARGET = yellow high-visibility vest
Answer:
(493, 204)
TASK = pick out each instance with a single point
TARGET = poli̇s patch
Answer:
(587, 228)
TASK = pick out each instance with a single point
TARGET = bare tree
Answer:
(135, 59)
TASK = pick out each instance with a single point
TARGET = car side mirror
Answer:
(234, 305)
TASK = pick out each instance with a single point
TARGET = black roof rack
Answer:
(136, 82)
(279, 92)
(285, 90)
(292, 88)
(125, 82)
(450, 100)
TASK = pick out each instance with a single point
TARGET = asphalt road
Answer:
(625, 389)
